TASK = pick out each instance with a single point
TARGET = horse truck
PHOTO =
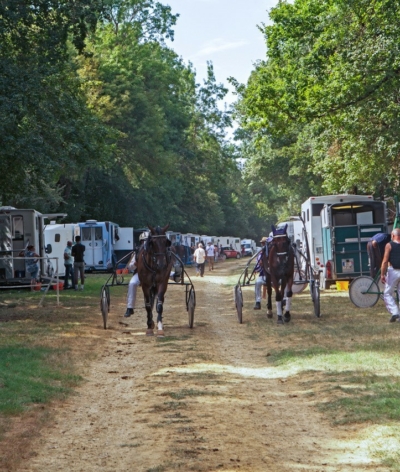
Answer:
(18, 229)
(338, 228)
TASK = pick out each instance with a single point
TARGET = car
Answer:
(230, 253)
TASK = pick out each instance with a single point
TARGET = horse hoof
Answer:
(149, 332)
(280, 320)
(160, 333)
(269, 314)
(287, 317)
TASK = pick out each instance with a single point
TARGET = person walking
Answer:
(78, 252)
(261, 280)
(375, 249)
(210, 251)
(68, 260)
(390, 274)
(200, 259)
(31, 263)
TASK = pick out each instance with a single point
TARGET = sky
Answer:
(221, 31)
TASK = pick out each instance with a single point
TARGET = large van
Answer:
(338, 229)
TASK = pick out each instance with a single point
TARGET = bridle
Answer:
(154, 255)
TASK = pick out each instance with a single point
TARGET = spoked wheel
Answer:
(299, 282)
(191, 304)
(105, 304)
(239, 302)
(364, 292)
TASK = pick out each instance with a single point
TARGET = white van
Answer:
(249, 246)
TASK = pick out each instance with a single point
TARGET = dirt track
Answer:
(204, 400)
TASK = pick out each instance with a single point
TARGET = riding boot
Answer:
(129, 312)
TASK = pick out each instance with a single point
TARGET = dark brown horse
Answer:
(279, 267)
(154, 263)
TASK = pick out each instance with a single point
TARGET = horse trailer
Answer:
(56, 237)
(18, 229)
(249, 246)
(231, 242)
(338, 228)
(99, 238)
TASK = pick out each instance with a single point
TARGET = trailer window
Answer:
(57, 237)
(86, 234)
(18, 227)
(317, 208)
(308, 214)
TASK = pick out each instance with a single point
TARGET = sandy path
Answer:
(198, 400)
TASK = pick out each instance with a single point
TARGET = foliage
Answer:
(329, 87)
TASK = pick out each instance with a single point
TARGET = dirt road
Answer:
(197, 400)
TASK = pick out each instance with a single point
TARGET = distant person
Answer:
(390, 274)
(210, 251)
(68, 261)
(200, 259)
(216, 253)
(376, 248)
(31, 262)
(78, 252)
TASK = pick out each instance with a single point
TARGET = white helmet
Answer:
(144, 236)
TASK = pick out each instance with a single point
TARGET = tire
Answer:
(316, 301)
(298, 286)
(360, 292)
(105, 305)
(191, 306)
(239, 303)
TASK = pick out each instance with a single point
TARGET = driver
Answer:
(134, 282)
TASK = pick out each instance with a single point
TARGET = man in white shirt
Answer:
(200, 259)
(210, 251)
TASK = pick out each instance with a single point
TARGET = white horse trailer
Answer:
(56, 237)
(231, 242)
(18, 229)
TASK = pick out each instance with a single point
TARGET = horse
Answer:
(279, 267)
(154, 263)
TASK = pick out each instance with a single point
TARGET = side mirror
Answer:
(48, 249)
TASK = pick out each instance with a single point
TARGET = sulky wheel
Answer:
(191, 306)
(364, 292)
(299, 282)
(239, 302)
(105, 304)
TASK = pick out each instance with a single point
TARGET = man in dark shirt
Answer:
(77, 252)
(390, 274)
(376, 248)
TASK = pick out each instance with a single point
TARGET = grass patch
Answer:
(31, 375)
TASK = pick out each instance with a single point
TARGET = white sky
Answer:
(221, 31)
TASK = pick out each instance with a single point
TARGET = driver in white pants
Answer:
(134, 282)
(390, 274)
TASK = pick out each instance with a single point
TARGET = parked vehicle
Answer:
(18, 228)
(99, 238)
(230, 253)
(56, 237)
(249, 247)
(124, 245)
(338, 228)
(190, 239)
(229, 241)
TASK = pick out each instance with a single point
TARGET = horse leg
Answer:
(289, 295)
(269, 301)
(278, 300)
(159, 307)
(149, 308)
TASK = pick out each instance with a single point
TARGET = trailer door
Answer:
(92, 238)
(6, 259)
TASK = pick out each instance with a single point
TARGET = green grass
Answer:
(31, 375)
